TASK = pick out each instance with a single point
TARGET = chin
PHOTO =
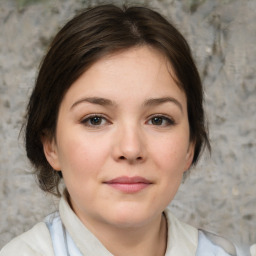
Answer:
(130, 218)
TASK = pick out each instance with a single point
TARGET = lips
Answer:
(129, 184)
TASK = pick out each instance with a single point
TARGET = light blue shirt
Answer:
(63, 244)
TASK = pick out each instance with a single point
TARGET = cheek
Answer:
(82, 155)
(171, 159)
(170, 153)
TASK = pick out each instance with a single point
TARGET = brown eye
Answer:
(94, 121)
(157, 120)
(161, 121)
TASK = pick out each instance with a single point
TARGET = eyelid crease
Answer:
(165, 117)
(161, 115)
(86, 118)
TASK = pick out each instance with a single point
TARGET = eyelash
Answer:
(87, 121)
(168, 121)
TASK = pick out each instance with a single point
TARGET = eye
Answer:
(94, 120)
(161, 121)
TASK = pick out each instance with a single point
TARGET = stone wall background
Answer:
(218, 195)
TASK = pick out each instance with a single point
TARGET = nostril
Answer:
(124, 158)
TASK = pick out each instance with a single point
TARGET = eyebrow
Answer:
(149, 102)
(95, 100)
(158, 101)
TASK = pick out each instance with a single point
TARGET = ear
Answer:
(51, 152)
(190, 155)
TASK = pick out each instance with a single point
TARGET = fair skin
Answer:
(122, 144)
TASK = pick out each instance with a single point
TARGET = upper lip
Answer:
(128, 180)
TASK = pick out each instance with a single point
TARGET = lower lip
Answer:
(129, 187)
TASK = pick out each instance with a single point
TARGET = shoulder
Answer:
(36, 241)
(210, 244)
(205, 243)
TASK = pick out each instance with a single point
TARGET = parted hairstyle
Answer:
(89, 36)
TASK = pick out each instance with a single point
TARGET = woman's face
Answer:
(122, 139)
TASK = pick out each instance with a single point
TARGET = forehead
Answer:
(141, 70)
(145, 56)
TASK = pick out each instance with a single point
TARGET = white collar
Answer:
(182, 238)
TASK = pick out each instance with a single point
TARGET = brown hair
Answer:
(81, 42)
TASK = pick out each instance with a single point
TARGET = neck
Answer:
(150, 240)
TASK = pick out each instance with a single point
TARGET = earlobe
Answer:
(51, 152)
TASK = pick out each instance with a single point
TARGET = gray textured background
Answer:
(219, 194)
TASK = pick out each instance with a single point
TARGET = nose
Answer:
(129, 145)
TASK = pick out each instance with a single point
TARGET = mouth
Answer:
(129, 184)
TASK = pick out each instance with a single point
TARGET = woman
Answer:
(116, 113)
